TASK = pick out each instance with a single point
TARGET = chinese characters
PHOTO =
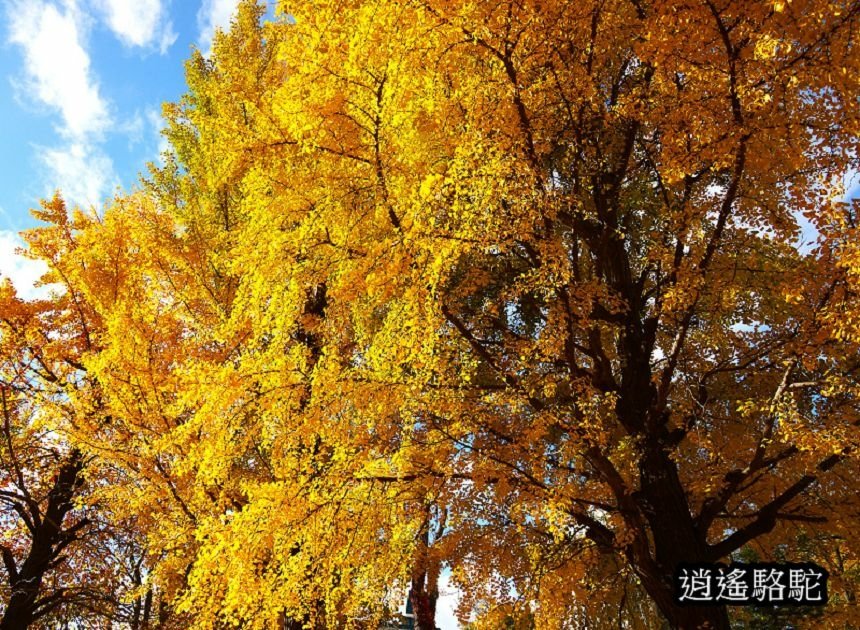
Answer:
(743, 584)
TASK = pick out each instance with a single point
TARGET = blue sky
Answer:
(80, 111)
(80, 105)
(84, 81)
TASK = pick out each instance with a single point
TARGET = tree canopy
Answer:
(511, 289)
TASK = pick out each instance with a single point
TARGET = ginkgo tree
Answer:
(67, 561)
(40, 479)
(513, 288)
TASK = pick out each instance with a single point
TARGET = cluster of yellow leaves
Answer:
(405, 255)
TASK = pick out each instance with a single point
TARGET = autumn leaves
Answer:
(431, 284)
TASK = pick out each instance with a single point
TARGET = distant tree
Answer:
(66, 561)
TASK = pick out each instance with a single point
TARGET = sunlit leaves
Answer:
(522, 275)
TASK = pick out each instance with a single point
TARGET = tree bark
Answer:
(676, 540)
(423, 597)
(424, 591)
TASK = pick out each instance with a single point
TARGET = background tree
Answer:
(68, 561)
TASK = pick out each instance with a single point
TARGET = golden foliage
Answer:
(507, 287)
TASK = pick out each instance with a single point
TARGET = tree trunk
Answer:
(423, 597)
(685, 617)
(147, 609)
(676, 540)
(424, 591)
(49, 538)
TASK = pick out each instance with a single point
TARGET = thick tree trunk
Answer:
(676, 540)
(684, 617)
(423, 597)
(668, 532)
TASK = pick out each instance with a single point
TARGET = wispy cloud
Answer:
(57, 65)
(133, 127)
(5, 218)
(57, 74)
(141, 23)
(213, 14)
(82, 171)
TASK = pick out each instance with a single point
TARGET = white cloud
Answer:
(133, 127)
(213, 14)
(57, 73)
(168, 37)
(83, 172)
(23, 272)
(56, 64)
(140, 23)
